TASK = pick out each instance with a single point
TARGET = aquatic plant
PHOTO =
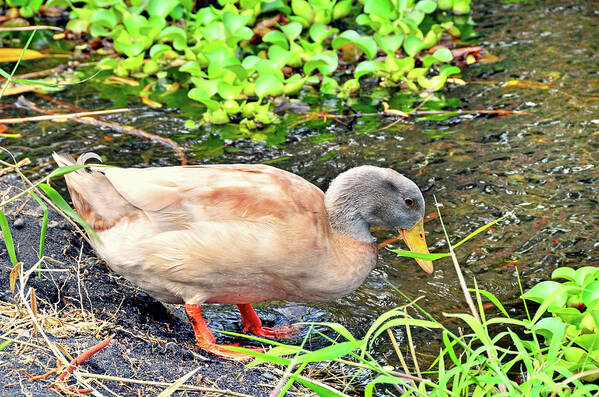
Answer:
(234, 58)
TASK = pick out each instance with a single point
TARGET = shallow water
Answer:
(540, 170)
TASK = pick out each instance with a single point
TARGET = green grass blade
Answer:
(330, 352)
(10, 246)
(44, 228)
(14, 70)
(418, 255)
(320, 389)
(66, 208)
(67, 169)
(493, 300)
(477, 231)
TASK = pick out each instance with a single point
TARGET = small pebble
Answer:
(267, 375)
(19, 223)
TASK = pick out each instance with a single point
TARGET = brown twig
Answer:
(99, 122)
(84, 356)
(53, 116)
(25, 28)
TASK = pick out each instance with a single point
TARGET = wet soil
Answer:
(84, 303)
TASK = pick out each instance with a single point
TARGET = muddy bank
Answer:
(81, 303)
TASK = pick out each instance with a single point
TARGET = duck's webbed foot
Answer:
(205, 338)
(252, 323)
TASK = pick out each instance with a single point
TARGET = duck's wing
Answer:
(175, 198)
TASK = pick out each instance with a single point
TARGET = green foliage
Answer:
(574, 305)
(216, 54)
(477, 362)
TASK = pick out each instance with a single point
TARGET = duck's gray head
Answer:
(367, 195)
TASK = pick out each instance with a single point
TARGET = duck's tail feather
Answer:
(95, 199)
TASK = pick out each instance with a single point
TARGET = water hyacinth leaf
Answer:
(193, 68)
(161, 8)
(268, 85)
(564, 272)
(302, 9)
(177, 35)
(102, 22)
(366, 44)
(158, 49)
(128, 45)
(415, 17)
(292, 30)
(363, 68)
(388, 44)
(590, 294)
(228, 91)
(276, 5)
(8, 241)
(413, 45)
(205, 88)
(326, 62)
(443, 55)
(199, 95)
(550, 327)
(276, 37)
(586, 274)
(342, 9)
(567, 314)
(329, 86)
(383, 8)
(239, 71)
(234, 22)
(107, 64)
(279, 56)
(543, 290)
(447, 70)
(134, 23)
(266, 67)
(426, 6)
(319, 32)
(294, 83)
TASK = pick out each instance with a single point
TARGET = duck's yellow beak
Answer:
(416, 242)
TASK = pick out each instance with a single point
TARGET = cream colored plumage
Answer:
(239, 234)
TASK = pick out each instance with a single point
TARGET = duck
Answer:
(241, 233)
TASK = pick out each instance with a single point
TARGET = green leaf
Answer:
(389, 44)
(321, 390)
(590, 294)
(67, 169)
(443, 55)
(331, 352)
(383, 8)
(302, 9)
(8, 241)
(158, 49)
(387, 379)
(586, 274)
(492, 298)
(477, 231)
(193, 68)
(329, 86)
(292, 30)
(161, 8)
(325, 62)
(268, 85)
(228, 91)
(276, 37)
(426, 6)
(365, 43)
(177, 35)
(564, 272)
(319, 32)
(413, 45)
(234, 22)
(363, 68)
(418, 255)
(134, 23)
(543, 290)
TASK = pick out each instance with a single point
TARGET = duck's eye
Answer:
(409, 202)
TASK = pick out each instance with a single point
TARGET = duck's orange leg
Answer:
(252, 323)
(205, 338)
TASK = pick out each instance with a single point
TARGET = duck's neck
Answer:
(343, 209)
